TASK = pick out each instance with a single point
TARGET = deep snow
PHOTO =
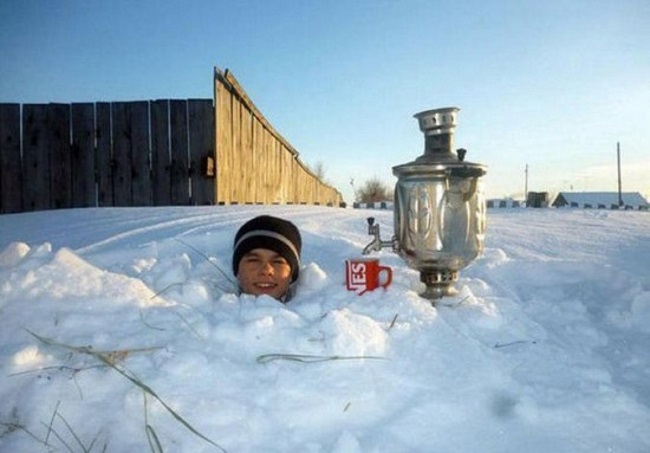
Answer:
(544, 349)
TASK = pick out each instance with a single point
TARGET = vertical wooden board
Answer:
(314, 190)
(277, 185)
(122, 151)
(160, 153)
(282, 192)
(269, 168)
(10, 171)
(273, 170)
(298, 182)
(286, 182)
(201, 124)
(179, 152)
(141, 154)
(36, 162)
(246, 154)
(257, 162)
(249, 160)
(279, 181)
(304, 184)
(104, 154)
(275, 176)
(58, 116)
(289, 179)
(263, 168)
(223, 143)
(295, 182)
(261, 165)
(229, 161)
(215, 183)
(83, 155)
(310, 190)
(288, 176)
(237, 170)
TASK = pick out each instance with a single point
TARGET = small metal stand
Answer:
(440, 283)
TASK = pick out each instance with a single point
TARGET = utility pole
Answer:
(618, 158)
(526, 185)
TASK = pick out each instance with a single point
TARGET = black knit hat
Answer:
(271, 233)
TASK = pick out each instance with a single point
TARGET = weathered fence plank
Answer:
(201, 123)
(122, 154)
(36, 160)
(224, 147)
(160, 157)
(83, 155)
(237, 170)
(140, 154)
(58, 116)
(104, 154)
(10, 171)
(131, 177)
(255, 161)
(246, 154)
(179, 169)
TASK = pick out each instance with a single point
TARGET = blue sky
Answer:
(549, 84)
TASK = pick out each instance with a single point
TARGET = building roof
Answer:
(602, 198)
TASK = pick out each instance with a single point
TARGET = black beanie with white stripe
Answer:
(272, 233)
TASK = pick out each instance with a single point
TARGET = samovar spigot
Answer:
(377, 244)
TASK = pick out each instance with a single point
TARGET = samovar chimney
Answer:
(438, 128)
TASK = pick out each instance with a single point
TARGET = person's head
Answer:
(266, 256)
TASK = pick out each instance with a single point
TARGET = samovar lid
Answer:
(437, 168)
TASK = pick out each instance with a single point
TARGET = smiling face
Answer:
(263, 271)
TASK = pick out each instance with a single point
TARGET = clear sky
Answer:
(552, 84)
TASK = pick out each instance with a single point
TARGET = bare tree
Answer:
(373, 190)
(319, 170)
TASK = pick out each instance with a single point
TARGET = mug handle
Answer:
(389, 275)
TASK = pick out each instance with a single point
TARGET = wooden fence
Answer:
(255, 164)
(150, 153)
(142, 153)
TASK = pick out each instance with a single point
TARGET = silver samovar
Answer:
(440, 212)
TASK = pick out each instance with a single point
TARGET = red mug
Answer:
(363, 274)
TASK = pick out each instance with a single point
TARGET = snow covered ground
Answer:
(119, 333)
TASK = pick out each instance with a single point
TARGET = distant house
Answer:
(537, 200)
(600, 200)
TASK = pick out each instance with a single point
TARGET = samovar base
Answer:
(439, 283)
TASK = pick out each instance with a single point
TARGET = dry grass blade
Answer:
(10, 427)
(108, 360)
(165, 289)
(74, 434)
(392, 323)
(152, 438)
(207, 258)
(154, 443)
(49, 427)
(304, 358)
(149, 325)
